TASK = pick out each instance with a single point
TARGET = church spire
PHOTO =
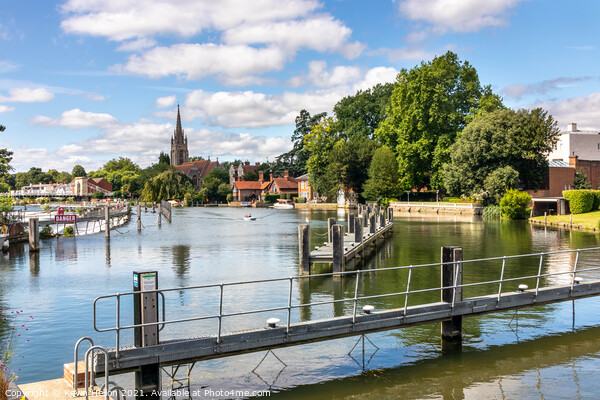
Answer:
(178, 129)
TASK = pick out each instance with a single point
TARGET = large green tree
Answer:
(320, 142)
(383, 175)
(497, 143)
(78, 171)
(167, 185)
(361, 114)
(429, 106)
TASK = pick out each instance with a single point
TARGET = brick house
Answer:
(198, 170)
(285, 185)
(236, 173)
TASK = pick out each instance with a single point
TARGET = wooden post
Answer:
(304, 248)
(350, 223)
(145, 306)
(338, 248)
(451, 275)
(365, 219)
(372, 223)
(159, 214)
(382, 219)
(545, 217)
(153, 204)
(390, 215)
(107, 222)
(358, 230)
(139, 216)
(34, 234)
(330, 224)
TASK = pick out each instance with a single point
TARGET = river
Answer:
(550, 351)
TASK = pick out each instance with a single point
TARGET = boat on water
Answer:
(283, 204)
(249, 217)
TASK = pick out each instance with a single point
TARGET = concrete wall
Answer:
(585, 144)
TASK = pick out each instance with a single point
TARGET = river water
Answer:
(550, 352)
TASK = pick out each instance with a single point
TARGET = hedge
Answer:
(580, 201)
(514, 204)
(596, 205)
(299, 199)
(271, 198)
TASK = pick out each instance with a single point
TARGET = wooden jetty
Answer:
(365, 230)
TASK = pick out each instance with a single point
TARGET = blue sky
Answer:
(84, 81)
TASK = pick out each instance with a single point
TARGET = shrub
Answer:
(492, 211)
(299, 199)
(229, 197)
(271, 198)
(69, 231)
(98, 195)
(580, 201)
(46, 232)
(514, 204)
(596, 205)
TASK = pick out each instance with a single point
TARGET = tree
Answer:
(496, 140)
(581, 181)
(383, 175)
(167, 185)
(361, 114)
(78, 171)
(428, 107)
(163, 158)
(294, 161)
(514, 204)
(120, 164)
(5, 158)
(348, 165)
(319, 142)
(222, 176)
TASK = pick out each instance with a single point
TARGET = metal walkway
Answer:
(573, 274)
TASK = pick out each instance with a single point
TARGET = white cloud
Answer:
(94, 96)
(293, 35)
(7, 66)
(129, 19)
(319, 76)
(196, 61)
(456, 15)
(517, 90)
(137, 45)
(77, 119)
(4, 109)
(585, 111)
(27, 95)
(257, 110)
(166, 102)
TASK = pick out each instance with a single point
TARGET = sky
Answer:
(86, 81)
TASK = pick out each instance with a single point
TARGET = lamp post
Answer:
(437, 194)
(408, 195)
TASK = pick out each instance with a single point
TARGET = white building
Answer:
(573, 142)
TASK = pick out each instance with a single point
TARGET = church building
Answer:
(180, 157)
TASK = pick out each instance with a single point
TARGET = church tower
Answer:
(179, 144)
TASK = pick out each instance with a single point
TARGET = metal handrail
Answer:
(355, 299)
(76, 356)
(87, 356)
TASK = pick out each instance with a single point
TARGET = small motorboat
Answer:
(249, 217)
(284, 204)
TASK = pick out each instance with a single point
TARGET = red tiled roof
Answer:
(283, 183)
(184, 168)
(247, 185)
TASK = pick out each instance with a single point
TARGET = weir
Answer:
(461, 295)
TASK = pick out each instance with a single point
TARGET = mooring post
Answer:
(390, 215)
(381, 219)
(159, 214)
(153, 205)
(107, 222)
(139, 216)
(358, 230)
(350, 223)
(34, 234)
(365, 219)
(338, 248)
(304, 248)
(330, 224)
(372, 223)
(451, 275)
(145, 311)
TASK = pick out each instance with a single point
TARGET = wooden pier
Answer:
(365, 230)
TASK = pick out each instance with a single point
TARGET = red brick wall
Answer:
(558, 178)
(591, 169)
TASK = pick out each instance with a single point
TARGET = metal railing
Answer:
(572, 273)
(433, 205)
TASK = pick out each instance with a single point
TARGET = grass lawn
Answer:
(591, 219)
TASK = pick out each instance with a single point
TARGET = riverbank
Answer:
(588, 221)
(437, 207)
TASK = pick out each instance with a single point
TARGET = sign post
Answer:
(145, 311)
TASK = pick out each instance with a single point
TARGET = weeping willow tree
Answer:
(167, 185)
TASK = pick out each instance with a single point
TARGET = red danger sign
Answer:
(65, 218)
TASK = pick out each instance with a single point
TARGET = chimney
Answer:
(286, 175)
(261, 176)
(572, 127)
